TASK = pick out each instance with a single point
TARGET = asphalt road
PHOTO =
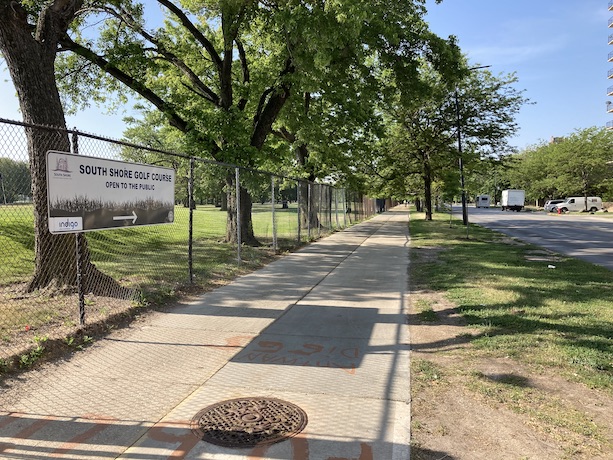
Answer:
(585, 236)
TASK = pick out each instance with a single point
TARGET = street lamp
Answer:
(460, 161)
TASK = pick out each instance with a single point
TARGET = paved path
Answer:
(580, 235)
(323, 328)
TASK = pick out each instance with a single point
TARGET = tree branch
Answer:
(270, 105)
(245, 68)
(200, 88)
(283, 133)
(167, 109)
(54, 20)
(206, 44)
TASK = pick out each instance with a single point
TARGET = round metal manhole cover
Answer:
(248, 422)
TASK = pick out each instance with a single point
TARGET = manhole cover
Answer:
(248, 422)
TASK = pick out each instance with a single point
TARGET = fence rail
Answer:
(120, 269)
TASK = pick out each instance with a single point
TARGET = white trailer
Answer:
(513, 200)
(482, 201)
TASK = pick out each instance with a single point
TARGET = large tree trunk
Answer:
(309, 202)
(30, 60)
(246, 223)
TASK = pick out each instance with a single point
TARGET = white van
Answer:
(578, 204)
(482, 201)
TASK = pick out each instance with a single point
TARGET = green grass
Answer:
(425, 312)
(570, 425)
(558, 318)
(147, 253)
(151, 255)
(426, 372)
(17, 243)
(151, 259)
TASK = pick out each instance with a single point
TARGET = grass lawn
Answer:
(558, 317)
(512, 348)
(153, 252)
(151, 259)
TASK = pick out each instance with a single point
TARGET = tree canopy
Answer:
(222, 71)
(422, 135)
(576, 165)
(227, 74)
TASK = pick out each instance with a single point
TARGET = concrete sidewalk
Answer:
(323, 328)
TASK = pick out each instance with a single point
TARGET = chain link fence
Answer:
(55, 287)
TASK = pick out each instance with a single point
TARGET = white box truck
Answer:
(579, 203)
(482, 201)
(513, 200)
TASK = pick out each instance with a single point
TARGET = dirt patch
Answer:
(44, 325)
(34, 320)
(466, 406)
(511, 241)
(541, 255)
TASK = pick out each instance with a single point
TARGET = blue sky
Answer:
(558, 49)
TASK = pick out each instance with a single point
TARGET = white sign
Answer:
(87, 193)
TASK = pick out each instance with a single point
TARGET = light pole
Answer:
(460, 160)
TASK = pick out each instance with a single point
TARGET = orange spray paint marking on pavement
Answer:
(258, 452)
(7, 419)
(187, 441)
(239, 340)
(300, 448)
(349, 370)
(365, 453)
(28, 431)
(101, 423)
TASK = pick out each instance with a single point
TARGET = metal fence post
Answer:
(274, 222)
(344, 208)
(336, 207)
(298, 196)
(309, 211)
(320, 214)
(190, 203)
(328, 199)
(79, 249)
(238, 214)
(79, 256)
(329, 190)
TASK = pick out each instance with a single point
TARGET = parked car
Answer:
(578, 203)
(549, 205)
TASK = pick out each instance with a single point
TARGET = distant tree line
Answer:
(580, 164)
(15, 182)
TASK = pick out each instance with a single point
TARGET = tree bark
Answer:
(308, 209)
(30, 60)
(246, 223)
